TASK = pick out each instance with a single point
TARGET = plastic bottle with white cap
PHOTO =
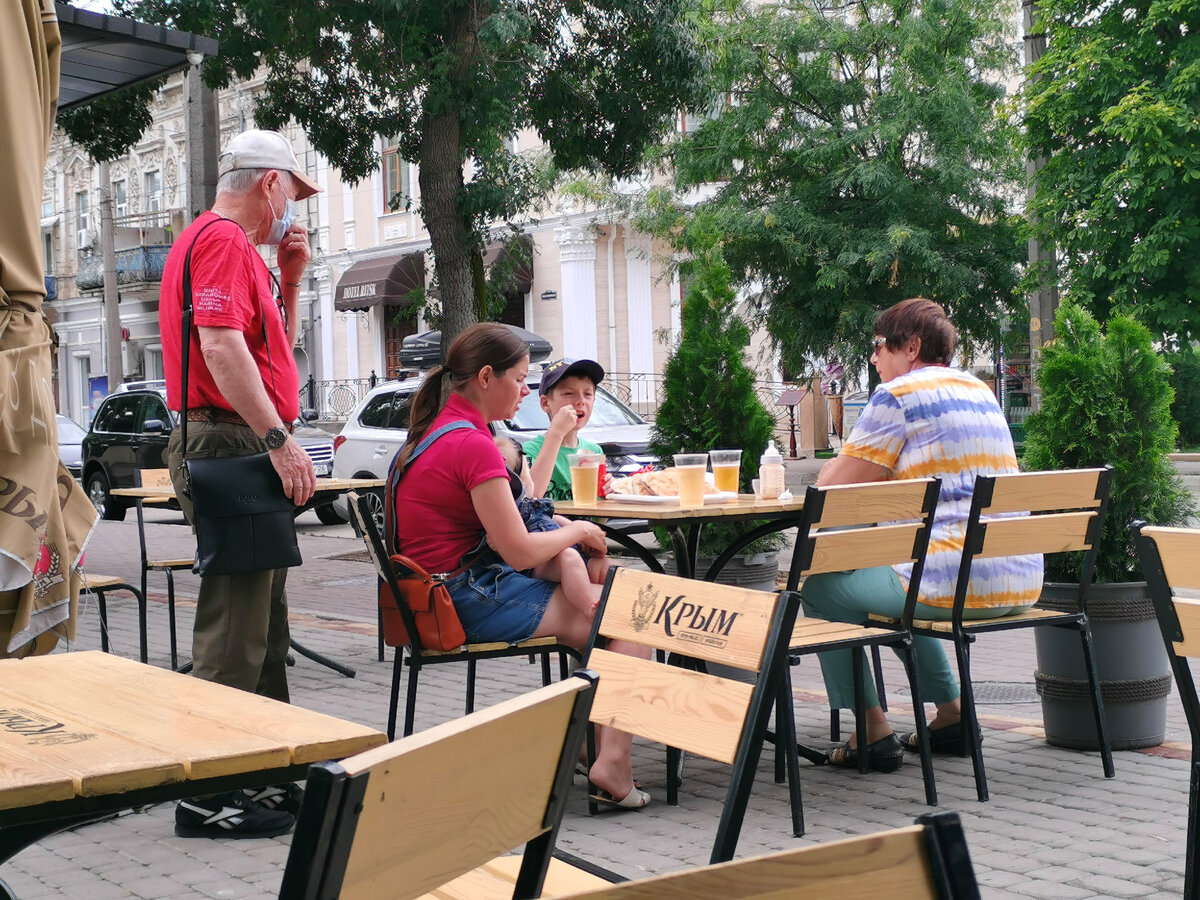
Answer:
(771, 474)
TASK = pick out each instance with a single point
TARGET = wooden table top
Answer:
(88, 724)
(745, 506)
(167, 492)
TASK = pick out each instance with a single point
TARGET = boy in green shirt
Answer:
(568, 395)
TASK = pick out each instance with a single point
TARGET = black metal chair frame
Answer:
(99, 590)
(899, 639)
(329, 815)
(964, 633)
(754, 735)
(170, 568)
(418, 657)
(1161, 593)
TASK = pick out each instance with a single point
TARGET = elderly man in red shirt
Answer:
(243, 395)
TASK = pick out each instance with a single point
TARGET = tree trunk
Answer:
(441, 179)
(456, 258)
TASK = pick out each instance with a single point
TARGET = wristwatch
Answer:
(275, 438)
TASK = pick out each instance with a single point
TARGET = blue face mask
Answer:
(279, 227)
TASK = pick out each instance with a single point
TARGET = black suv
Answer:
(130, 432)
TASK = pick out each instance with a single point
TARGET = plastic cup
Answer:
(726, 465)
(690, 468)
(585, 476)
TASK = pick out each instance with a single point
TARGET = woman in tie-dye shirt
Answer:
(924, 419)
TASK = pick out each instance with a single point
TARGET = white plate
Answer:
(670, 499)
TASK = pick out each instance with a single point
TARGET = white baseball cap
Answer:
(265, 150)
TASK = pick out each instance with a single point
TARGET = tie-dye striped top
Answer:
(938, 421)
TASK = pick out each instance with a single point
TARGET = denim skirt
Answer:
(497, 603)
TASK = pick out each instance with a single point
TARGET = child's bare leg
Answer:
(569, 570)
(597, 567)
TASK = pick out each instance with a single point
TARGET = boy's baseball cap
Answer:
(256, 149)
(560, 369)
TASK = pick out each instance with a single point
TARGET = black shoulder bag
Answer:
(244, 522)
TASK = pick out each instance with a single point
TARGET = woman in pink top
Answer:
(457, 490)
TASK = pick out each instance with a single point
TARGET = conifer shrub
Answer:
(1106, 399)
(709, 400)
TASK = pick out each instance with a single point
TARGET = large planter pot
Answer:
(757, 571)
(1135, 674)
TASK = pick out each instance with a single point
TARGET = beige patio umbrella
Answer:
(45, 517)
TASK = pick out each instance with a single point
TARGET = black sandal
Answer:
(885, 755)
(948, 740)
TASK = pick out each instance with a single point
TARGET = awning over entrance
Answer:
(102, 53)
(388, 280)
(524, 270)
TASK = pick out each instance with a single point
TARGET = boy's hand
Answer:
(563, 422)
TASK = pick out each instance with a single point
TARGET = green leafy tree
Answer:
(1111, 108)
(1106, 399)
(1185, 408)
(451, 80)
(708, 390)
(862, 159)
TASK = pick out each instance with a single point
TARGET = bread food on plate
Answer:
(664, 483)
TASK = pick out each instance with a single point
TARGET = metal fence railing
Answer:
(333, 400)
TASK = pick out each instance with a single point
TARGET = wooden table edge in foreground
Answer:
(66, 758)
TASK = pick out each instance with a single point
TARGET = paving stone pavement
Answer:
(1054, 827)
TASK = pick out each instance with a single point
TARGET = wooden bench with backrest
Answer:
(168, 565)
(1170, 560)
(1013, 515)
(678, 705)
(432, 813)
(407, 640)
(925, 860)
(844, 528)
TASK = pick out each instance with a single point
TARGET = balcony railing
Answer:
(134, 266)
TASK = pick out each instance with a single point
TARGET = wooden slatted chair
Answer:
(431, 813)
(418, 656)
(925, 860)
(167, 565)
(100, 586)
(848, 527)
(686, 709)
(1066, 514)
(1171, 563)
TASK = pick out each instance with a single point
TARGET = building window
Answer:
(48, 253)
(395, 181)
(83, 210)
(692, 120)
(120, 198)
(47, 208)
(153, 185)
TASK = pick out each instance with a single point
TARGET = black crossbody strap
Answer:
(186, 329)
(393, 481)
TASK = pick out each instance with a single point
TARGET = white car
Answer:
(378, 426)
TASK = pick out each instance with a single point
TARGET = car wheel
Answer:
(374, 500)
(329, 515)
(97, 491)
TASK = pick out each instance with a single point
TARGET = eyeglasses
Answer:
(878, 342)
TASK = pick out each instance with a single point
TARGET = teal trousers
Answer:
(852, 597)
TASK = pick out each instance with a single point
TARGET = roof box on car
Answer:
(424, 351)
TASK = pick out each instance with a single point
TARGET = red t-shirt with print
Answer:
(231, 288)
